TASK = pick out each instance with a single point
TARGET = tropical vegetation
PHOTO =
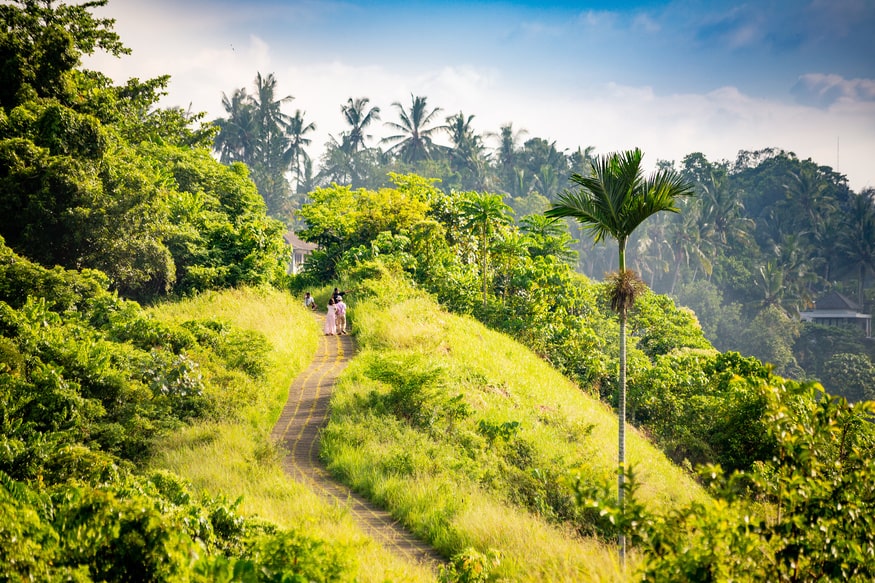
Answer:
(147, 327)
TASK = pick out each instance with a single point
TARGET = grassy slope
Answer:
(445, 480)
(235, 459)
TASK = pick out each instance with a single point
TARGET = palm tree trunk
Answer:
(621, 413)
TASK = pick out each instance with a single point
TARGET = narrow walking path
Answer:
(297, 429)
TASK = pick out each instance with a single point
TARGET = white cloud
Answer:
(826, 89)
(609, 116)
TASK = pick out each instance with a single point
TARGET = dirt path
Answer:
(298, 431)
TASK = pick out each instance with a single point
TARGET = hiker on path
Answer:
(340, 309)
(338, 295)
(330, 328)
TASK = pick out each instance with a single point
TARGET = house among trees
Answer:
(834, 309)
(300, 251)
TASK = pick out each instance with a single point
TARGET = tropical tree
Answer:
(297, 130)
(413, 142)
(546, 237)
(238, 133)
(359, 117)
(547, 166)
(508, 154)
(856, 244)
(271, 122)
(42, 45)
(466, 151)
(256, 132)
(611, 202)
(483, 214)
(692, 242)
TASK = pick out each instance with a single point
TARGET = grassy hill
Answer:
(473, 441)
(236, 459)
(467, 437)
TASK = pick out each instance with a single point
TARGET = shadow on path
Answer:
(297, 430)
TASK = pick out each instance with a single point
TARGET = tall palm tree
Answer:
(547, 165)
(856, 245)
(238, 133)
(359, 117)
(414, 142)
(483, 214)
(611, 202)
(297, 157)
(508, 154)
(271, 121)
(466, 150)
(723, 209)
(691, 240)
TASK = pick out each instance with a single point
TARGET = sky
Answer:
(670, 77)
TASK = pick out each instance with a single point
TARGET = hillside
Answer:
(473, 441)
(424, 423)
(236, 458)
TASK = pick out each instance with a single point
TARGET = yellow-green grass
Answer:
(451, 498)
(236, 459)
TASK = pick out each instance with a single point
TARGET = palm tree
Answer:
(508, 153)
(483, 214)
(359, 117)
(271, 121)
(547, 165)
(414, 143)
(238, 133)
(466, 153)
(297, 156)
(691, 240)
(856, 244)
(612, 201)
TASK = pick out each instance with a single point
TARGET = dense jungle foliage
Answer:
(88, 383)
(92, 175)
(106, 199)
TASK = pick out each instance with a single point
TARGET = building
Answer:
(300, 251)
(834, 309)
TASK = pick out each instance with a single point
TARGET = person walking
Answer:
(330, 327)
(340, 309)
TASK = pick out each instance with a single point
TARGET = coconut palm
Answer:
(413, 142)
(359, 117)
(271, 120)
(856, 243)
(466, 150)
(238, 133)
(612, 201)
(507, 155)
(295, 154)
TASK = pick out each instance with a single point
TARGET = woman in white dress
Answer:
(331, 319)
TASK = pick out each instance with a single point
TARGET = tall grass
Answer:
(234, 458)
(472, 441)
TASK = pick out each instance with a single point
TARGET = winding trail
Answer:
(297, 430)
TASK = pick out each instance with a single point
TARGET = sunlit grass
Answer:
(442, 477)
(237, 460)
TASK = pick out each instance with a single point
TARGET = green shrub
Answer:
(470, 566)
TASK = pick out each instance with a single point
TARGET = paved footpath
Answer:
(297, 430)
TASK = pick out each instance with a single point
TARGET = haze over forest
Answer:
(669, 77)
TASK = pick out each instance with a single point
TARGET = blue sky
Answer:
(670, 77)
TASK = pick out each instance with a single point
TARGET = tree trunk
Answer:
(621, 413)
